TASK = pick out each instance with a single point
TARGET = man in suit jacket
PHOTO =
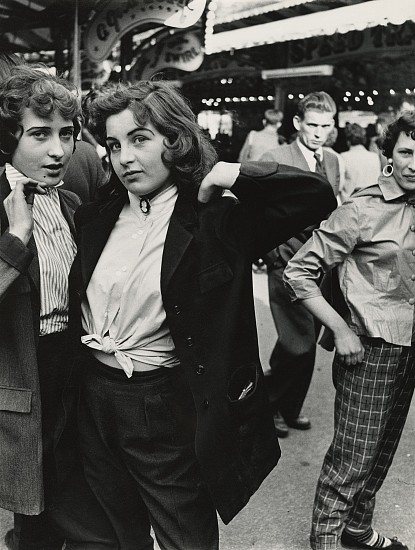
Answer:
(292, 359)
(37, 247)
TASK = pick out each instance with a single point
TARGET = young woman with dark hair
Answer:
(371, 238)
(173, 417)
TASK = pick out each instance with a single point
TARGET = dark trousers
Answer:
(71, 510)
(292, 359)
(137, 443)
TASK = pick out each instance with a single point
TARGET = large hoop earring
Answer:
(388, 170)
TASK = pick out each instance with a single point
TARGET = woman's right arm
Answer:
(329, 246)
(347, 343)
(15, 257)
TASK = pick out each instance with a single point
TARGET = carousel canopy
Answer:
(233, 25)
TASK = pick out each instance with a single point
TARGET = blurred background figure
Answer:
(266, 140)
(292, 359)
(362, 166)
(328, 146)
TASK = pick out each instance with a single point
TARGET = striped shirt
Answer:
(56, 250)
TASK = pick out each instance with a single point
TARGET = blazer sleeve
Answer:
(15, 259)
(276, 202)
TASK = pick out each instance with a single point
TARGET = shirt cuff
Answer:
(301, 289)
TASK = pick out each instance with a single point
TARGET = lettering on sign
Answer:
(182, 52)
(329, 48)
(115, 18)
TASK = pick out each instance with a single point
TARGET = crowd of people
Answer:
(133, 400)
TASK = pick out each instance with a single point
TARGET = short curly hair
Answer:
(189, 153)
(32, 87)
(406, 124)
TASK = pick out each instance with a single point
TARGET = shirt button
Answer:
(413, 277)
(200, 369)
(412, 228)
(124, 268)
(411, 301)
(205, 403)
(140, 231)
(189, 341)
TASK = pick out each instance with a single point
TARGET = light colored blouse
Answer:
(123, 314)
(371, 238)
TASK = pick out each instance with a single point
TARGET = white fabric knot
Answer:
(108, 345)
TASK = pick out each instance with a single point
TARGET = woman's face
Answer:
(403, 158)
(135, 153)
(44, 148)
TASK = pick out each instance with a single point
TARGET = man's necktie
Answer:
(320, 168)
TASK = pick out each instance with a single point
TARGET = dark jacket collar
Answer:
(95, 233)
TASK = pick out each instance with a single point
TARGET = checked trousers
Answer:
(371, 406)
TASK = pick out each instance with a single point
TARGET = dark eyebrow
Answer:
(38, 128)
(70, 127)
(136, 129)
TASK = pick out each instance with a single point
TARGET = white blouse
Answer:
(123, 313)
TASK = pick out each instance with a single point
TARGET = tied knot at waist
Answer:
(103, 343)
(106, 344)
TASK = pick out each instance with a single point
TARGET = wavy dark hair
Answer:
(189, 153)
(29, 87)
(406, 124)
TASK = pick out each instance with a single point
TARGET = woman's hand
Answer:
(348, 346)
(18, 205)
(222, 176)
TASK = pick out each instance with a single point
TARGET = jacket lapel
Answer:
(68, 207)
(298, 158)
(179, 237)
(330, 165)
(95, 235)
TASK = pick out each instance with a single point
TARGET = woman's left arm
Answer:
(276, 201)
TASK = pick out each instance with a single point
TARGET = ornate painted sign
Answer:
(182, 51)
(114, 18)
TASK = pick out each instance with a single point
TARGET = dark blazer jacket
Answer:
(85, 173)
(21, 484)
(206, 285)
(291, 155)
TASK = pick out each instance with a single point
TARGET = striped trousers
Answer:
(371, 406)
